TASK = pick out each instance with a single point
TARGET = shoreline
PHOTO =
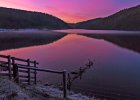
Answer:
(13, 91)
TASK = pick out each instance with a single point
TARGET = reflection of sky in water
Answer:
(114, 66)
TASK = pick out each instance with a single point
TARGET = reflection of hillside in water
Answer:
(12, 41)
(126, 41)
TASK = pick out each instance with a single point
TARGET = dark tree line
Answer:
(13, 18)
(127, 19)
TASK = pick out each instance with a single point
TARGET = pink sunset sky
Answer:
(72, 10)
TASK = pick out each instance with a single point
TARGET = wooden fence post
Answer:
(65, 83)
(13, 64)
(13, 61)
(29, 73)
(15, 73)
(35, 81)
(9, 67)
(69, 82)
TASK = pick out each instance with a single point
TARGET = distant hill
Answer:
(13, 18)
(127, 19)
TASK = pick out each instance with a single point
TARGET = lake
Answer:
(116, 66)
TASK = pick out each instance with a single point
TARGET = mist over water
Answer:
(115, 67)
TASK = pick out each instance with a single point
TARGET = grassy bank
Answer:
(12, 91)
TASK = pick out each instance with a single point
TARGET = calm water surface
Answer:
(114, 67)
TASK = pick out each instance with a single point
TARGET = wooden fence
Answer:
(24, 76)
(25, 71)
(7, 66)
(32, 69)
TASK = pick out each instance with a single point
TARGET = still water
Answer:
(114, 68)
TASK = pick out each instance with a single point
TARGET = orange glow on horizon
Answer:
(71, 11)
(68, 19)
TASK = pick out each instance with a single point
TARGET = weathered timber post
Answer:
(13, 64)
(65, 84)
(29, 73)
(9, 67)
(80, 73)
(15, 71)
(35, 72)
(69, 82)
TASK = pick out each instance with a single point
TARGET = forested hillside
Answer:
(127, 19)
(13, 18)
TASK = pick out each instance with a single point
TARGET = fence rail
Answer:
(18, 59)
(25, 71)
(63, 73)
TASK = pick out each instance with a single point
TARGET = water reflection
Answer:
(114, 68)
(18, 40)
(126, 41)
